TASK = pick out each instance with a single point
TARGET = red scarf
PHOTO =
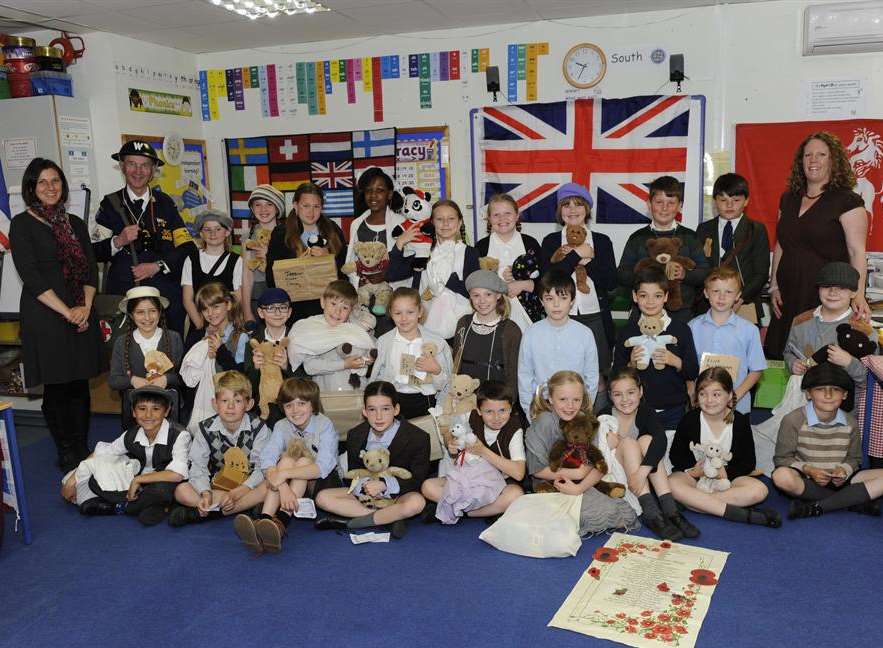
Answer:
(70, 252)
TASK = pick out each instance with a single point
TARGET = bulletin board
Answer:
(186, 182)
(423, 159)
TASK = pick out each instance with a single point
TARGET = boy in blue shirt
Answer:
(556, 343)
(665, 390)
(721, 331)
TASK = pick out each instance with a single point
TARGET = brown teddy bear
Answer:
(261, 240)
(489, 263)
(576, 449)
(376, 467)
(271, 373)
(297, 449)
(370, 266)
(461, 397)
(575, 235)
(665, 253)
(156, 363)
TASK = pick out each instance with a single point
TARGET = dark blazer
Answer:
(601, 270)
(409, 450)
(743, 461)
(400, 268)
(750, 256)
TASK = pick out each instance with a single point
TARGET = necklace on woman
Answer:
(813, 197)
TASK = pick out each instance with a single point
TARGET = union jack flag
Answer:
(333, 175)
(615, 147)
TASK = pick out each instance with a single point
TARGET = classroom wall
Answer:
(745, 58)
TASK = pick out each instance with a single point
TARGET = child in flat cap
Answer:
(819, 451)
(838, 285)
(212, 262)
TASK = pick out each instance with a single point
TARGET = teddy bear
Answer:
(853, 338)
(524, 267)
(489, 263)
(416, 210)
(649, 340)
(576, 449)
(575, 235)
(156, 363)
(297, 449)
(347, 350)
(713, 458)
(370, 266)
(316, 240)
(234, 472)
(261, 240)
(461, 397)
(377, 466)
(271, 373)
(664, 253)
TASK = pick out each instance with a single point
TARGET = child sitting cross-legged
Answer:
(819, 451)
(486, 474)
(137, 473)
(300, 459)
(389, 500)
(220, 482)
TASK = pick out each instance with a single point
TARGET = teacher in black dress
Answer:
(821, 219)
(60, 338)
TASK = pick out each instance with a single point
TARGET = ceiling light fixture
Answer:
(254, 9)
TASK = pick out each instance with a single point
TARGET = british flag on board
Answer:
(615, 147)
(333, 175)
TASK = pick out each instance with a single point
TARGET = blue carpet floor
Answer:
(110, 582)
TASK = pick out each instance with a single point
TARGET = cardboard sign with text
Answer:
(305, 278)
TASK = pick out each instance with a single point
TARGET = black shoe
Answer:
(684, 525)
(98, 506)
(399, 529)
(428, 514)
(662, 528)
(773, 518)
(868, 508)
(184, 515)
(152, 515)
(801, 509)
(330, 523)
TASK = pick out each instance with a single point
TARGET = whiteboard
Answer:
(10, 283)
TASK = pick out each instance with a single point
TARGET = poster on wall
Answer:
(163, 103)
(184, 177)
(423, 160)
(765, 152)
(614, 147)
(334, 162)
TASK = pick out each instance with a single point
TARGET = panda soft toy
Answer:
(416, 210)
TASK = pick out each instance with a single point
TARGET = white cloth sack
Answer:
(542, 525)
(518, 315)
(443, 312)
(615, 471)
(767, 433)
(112, 472)
(198, 369)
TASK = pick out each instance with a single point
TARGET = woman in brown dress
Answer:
(820, 220)
(61, 343)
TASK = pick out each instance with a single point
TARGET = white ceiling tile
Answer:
(47, 8)
(113, 22)
(398, 17)
(184, 15)
(119, 5)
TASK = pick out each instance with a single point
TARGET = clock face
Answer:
(584, 65)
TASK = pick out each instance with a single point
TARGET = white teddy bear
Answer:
(650, 340)
(714, 459)
(463, 436)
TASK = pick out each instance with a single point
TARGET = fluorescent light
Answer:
(254, 9)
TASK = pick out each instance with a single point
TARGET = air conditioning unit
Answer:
(842, 28)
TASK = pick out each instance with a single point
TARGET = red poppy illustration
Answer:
(606, 554)
(683, 613)
(620, 615)
(632, 621)
(595, 573)
(703, 577)
(630, 629)
(665, 545)
(650, 635)
(663, 587)
(680, 629)
(688, 604)
(646, 613)
(677, 599)
(610, 621)
(664, 617)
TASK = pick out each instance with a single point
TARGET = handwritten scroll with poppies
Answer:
(643, 592)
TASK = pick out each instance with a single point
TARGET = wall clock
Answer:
(584, 65)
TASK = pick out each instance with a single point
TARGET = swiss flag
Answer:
(289, 148)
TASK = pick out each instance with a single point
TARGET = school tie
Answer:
(727, 239)
(138, 207)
